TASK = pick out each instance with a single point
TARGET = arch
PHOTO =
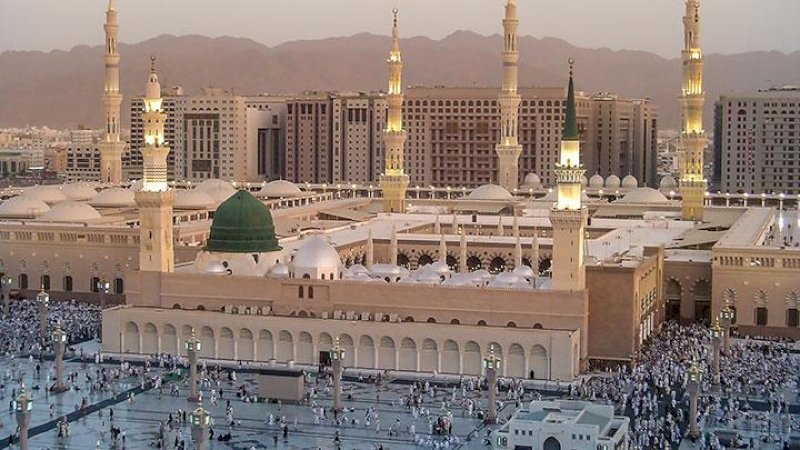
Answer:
(729, 295)
(760, 298)
(325, 342)
(431, 320)
(305, 348)
(511, 324)
(201, 308)
(132, 338)
(429, 357)
(366, 352)
(701, 295)
(474, 263)
(537, 326)
(176, 306)
(403, 261)
(169, 340)
(544, 265)
(266, 345)
(515, 362)
(207, 342)
(455, 322)
(551, 443)
(408, 319)
(672, 294)
(226, 344)
(451, 357)
(150, 339)
(245, 345)
(452, 262)
(408, 355)
(186, 332)
(481, 323)
(424, 260)
(539, 363)
(284, 350)
(497, 265)
(346, 342)
(387, 354)
(472, 358)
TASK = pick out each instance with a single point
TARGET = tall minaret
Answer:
(508, 149)
(568, 217)
(394, 181)
(155, 200)
(693, 184)
(111, 147)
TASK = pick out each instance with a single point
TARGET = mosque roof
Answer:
(79, 191)
(193, 199)
(317, 252)
(280, 189)
(114, 198)
(630, 182)
(71, 211)
(242, 224)
(22, 206)
(48, 194)
(643, 195)
(490, 192)
(219, 190)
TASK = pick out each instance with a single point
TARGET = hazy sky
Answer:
(730, 26)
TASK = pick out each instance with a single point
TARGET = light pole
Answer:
(103, 288)
(43, 298)
(726, 317)
(5, 289)
(693, 379)
(59, 342)
(23, 404)
(200, 421)
(193, 346)
(337, 356)
(492, 364)
(716, 337)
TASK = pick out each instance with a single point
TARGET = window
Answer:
(93, 284)
(792, 318)
(300, 291)
(119, 286)
(68, 283)
(311, 292)
(23, 281)
(45, 282)
(761, 316)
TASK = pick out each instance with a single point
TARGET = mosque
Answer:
(405, 278)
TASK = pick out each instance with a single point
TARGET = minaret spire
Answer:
(462, 252)
(111, 147)
(155, 199)
(693, 184)
(508, 149)
(394, 181)
(569, 217)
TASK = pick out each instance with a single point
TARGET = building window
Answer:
(761, 316)
(93, 284)
(792, 318)
(23, 281)
(300, 291)
(311, 292)
(119, 286)
(45, 282)
(68, 283)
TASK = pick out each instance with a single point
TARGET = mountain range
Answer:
(63, 89)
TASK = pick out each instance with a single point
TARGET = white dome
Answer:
(316, 253)
(280, 189)
(213, 183)
(668, 183)
(612, 182)
(428, 276)
(440, 267)
(358, 269)
(114, 198)
(48, 194)
(643, 195)
(584, 181)
(22, 207)
(218, 190)
(71, 212)
(193, 199)
(216, 268)
(630, 182)
(280, 270)
(490, 192)
(596, 181)
(79, 191)
(532, 181)
(523, 271)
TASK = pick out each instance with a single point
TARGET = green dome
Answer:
(242, 224)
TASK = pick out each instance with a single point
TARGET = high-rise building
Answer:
(693, 184)
(758, 150)
(508, 148)
(111, 147)
(394, 180)
(266, 118)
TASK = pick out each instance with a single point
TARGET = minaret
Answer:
(370, 250)
(155, 200)
(508, 149)
(693, 184)
(535, 252)
(111, 147)
(517, 253)
(393, 246)
(442, 249)
(568, 217)
(394, 181)
(462, 253)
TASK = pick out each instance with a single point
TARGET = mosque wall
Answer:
(687, 290)
(445, 348)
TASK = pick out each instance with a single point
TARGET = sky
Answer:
(730, 26)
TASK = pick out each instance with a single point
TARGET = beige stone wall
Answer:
(426, 347)
(687, 287)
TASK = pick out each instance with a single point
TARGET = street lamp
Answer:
(59, 342)
(337, 356)
(716, 337)
(693, 379)
(23, 404)
(103, 288)
(193, 346)
(726, 317)
(492, 364)
(43, 299)
(5, 289)
(200, 420)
